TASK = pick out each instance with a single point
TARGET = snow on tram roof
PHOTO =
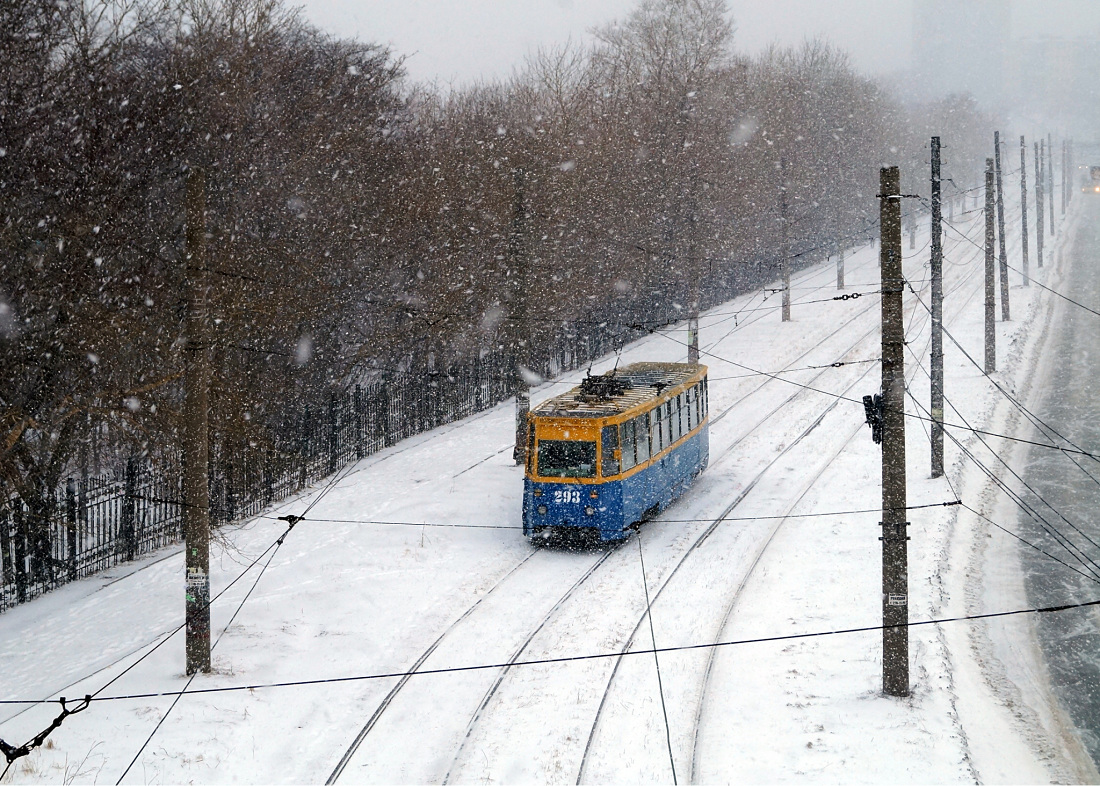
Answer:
(617, 391)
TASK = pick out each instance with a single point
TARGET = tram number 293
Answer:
(565, 496)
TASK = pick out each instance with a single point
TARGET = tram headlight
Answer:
(542, 510)
(589, 510)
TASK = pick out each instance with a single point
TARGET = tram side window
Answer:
(668, 424)
(677, 430)
(705, 398)
(628, 445)
(531, 448)
(641, 431)
(682, 413)
(692, 402)
(657, 428)
(609, 444)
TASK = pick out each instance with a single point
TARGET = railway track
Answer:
(701, 537)
(494, 687)
(735, 596)
(752, 564)
(389, 699)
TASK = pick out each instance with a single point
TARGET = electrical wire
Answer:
(656, 660)
(600, 655)
(1075, 551)
(443, 525)
(194, 674)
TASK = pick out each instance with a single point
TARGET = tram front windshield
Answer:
(560, 458)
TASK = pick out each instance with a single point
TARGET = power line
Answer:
(656, 660)
(990, 521)
(1059, 294)
(592, 656)
(13, 752)
(1076, 551)
(443, 525)
(293, 520)
(1035, 419)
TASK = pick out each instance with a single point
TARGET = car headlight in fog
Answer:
(542, 510)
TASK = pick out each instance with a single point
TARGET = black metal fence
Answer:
(91, 524)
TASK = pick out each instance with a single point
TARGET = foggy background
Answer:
(1034, 58)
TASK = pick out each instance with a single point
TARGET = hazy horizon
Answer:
(449, 42)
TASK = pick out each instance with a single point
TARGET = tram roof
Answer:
(642, 382)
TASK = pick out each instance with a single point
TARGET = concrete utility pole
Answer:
(517, 259)
(1065, 176)
(693, 262)
(1039, 227)
(895, 559)
(1071, 173)
(1023, 207)
(937, 313)
(1050, 179)
(196, 483)
(785, 269)
(990, 288)
(1001, 227)
(838, 239)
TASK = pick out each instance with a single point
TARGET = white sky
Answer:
(461, 41)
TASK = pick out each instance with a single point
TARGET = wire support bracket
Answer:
(14, 752)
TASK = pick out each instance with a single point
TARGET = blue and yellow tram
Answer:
(616, 449)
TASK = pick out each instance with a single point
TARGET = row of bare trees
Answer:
(359, 225)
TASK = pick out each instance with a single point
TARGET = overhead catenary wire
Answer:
(842, 397)
(592, 656)
(1035, 420)
(1039, 423)
(176, 700)
(1002, 528)
(1075, 551)
(14, 752)
(656, 659)
(445, 525)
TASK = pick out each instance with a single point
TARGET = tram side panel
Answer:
(615, 503)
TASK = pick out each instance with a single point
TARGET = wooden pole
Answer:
(1039, 226)
(196, 482)
(937, 313)
(1005, 312)
(990, 288)
(1023, 208)
(1050, 178)
(895, 561)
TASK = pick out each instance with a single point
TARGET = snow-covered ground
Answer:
(415, 557)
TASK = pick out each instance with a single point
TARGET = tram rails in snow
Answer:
(517, 654)
(350, 754)
(458, 770)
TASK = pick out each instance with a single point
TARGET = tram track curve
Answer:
(484, 703)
